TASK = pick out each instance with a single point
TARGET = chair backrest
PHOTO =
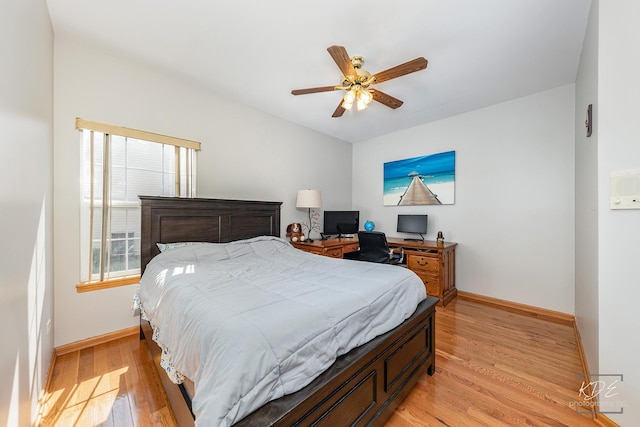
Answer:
(373, 246)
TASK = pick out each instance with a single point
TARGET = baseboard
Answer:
(514, 307)
(584, 364)
(101, 339)
(599, 419)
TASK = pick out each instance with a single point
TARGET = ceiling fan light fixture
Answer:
(365, 95)
(351, 95)
(363, 98)
(349, 98)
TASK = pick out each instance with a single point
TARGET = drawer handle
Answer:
(422, 262)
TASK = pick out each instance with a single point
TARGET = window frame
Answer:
(182, 189)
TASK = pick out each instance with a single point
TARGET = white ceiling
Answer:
(480, 52)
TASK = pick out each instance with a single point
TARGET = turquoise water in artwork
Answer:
(395, 185)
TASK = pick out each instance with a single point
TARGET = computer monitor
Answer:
(415, 224)
(341, 222)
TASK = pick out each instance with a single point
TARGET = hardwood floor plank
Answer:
(137, 403)
(103, 395)
(528, 404)
(63, 383)
(154, 392)
(493, 368)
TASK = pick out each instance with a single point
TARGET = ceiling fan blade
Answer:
(313, 90)
(385, 99)
(339, 111)
(402, 69)
(340, 55)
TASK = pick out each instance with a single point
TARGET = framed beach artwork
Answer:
(424, 180)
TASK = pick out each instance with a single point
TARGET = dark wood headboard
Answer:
(176, 219)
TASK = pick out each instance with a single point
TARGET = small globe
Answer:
(369, 225)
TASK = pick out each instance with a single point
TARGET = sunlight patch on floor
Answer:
(88, 403)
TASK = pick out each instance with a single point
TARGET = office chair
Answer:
(374, 248)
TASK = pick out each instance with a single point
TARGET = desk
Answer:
(334, 248)
(434, 264)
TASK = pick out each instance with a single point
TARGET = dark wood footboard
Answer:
(364, 386)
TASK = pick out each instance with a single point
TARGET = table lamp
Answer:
(309, 199)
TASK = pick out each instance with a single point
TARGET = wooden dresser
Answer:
(434, 263)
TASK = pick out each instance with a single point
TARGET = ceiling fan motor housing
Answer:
(362, 77)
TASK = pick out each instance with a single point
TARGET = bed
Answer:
(361, 387)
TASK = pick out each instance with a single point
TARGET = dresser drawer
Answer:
(431, 283)
(333, 252)
(352, 247)
(424, 263)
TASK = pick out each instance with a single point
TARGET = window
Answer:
(118, 165)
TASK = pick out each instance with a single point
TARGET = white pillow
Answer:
(168, 246)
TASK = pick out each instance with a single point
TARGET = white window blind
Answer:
(118, 165)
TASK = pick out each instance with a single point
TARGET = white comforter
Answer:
(253, 320)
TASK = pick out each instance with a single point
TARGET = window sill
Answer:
(114, 283)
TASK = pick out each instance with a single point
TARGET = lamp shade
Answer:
(309, 199)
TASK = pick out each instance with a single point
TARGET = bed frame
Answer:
(363, 387)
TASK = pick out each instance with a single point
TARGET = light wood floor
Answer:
(493, 368)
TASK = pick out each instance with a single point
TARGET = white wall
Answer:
(586, 194)
(514, 211)
(245, 155)
(619, 230)
(26, 267)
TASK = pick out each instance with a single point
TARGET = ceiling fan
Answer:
(357, 81)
